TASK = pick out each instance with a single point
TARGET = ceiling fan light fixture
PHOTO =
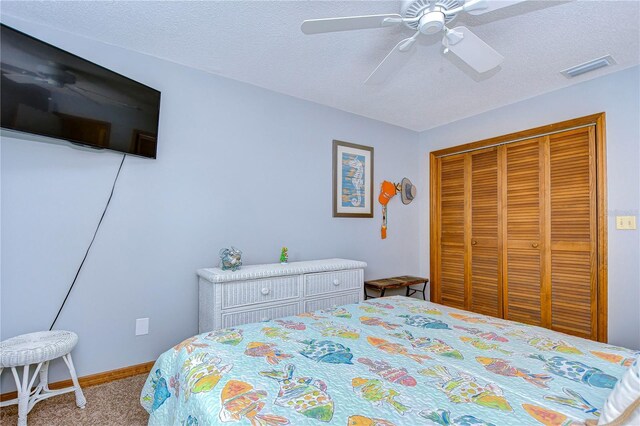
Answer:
(588, 66)
(413, 10)
(431, 23)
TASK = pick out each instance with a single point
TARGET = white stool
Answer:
(38, 348)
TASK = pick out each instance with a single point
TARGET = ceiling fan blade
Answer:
(479, 7)
(329, 25)
(472, 50)
(392, 62)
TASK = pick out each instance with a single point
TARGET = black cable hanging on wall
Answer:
(113, 187)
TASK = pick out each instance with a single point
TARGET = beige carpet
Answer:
(115, 403)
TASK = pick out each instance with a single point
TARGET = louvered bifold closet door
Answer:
(452, 250)
(485, 270)
(573, 232)
(519, 228)
(523, 195)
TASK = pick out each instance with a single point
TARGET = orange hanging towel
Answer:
(383, 230)
(387, 192)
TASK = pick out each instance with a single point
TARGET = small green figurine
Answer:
(284, 256)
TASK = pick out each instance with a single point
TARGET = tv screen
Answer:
(48, 91)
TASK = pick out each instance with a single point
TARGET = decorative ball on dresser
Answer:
(230, 259)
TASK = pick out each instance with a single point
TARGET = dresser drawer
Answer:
(330, 302)
(231, 319)
(259, 291)
(332, 282)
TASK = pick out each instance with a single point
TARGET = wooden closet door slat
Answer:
(573, 232)
(485, 297)
(452, 201)
(522, 278)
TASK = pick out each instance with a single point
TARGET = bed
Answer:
(391, 361)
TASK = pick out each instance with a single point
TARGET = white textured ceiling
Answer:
(260, 42)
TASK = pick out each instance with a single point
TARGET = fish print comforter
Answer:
(390, 361)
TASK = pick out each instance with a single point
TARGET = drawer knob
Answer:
(264, 319)
(265, 291)
(336, 282)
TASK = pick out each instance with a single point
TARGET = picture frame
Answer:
(352, 180)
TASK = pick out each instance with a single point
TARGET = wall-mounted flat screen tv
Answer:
(50, 92)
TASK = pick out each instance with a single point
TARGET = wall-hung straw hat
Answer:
(407, 191)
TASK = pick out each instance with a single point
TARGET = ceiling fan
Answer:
(425, 17)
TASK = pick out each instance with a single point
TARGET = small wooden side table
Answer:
(396, 282)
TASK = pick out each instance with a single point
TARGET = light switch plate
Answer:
(625, 222)
(142, 326)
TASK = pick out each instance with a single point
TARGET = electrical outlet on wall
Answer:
(142, 326)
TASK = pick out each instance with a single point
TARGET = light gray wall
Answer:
(236, 165)
(616, 94)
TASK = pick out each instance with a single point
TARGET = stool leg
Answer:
(80, 399)
(44, 376)
(23, 394)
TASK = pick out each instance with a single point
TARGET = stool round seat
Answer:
(34, 348)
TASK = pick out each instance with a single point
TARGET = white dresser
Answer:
(256, 293)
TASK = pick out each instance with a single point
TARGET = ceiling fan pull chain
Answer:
(445, 40)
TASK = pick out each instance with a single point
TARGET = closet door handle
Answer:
(474, 242)
(535, 245)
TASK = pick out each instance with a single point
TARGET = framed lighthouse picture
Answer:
(352, 180)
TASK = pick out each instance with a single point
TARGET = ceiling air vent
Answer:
(592, 65)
